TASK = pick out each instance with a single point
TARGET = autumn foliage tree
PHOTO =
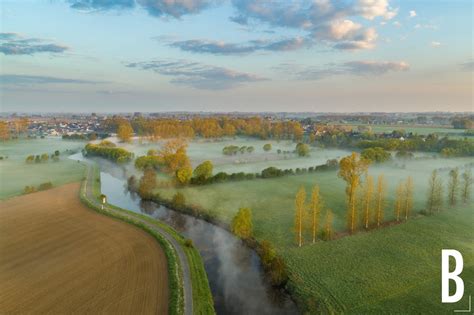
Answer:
(147, 184)
(367, 200)
(4, 131)
(351, 169)
(399, 201)
(408, 198)
(125, 131)
(380, 200)
(242, 225)
(300, 215)
(328, 229)
(315, 210)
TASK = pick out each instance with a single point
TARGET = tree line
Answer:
(212, 127)
(108, 150)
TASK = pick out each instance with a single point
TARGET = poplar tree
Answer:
(328, 230)
(315, 209)
(399, 201)
(435, 190)
(367, 200)
(350, 169)
(466, 185)
(380, 200)
(453, 186)
(408, 197)
(299, 215)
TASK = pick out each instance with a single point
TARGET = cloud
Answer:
(324, 20)
(467, 66)
(159, 8)
(359, 68)
(397, 24)
(435, 44)
(223, 48)
(197, 75)
(101, 5)
(15, 44)
(28, 80)
(412, 13)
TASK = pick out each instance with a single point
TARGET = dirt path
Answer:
(58, 256)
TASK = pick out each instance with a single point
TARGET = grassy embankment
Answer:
(202, 297)
(385, 267)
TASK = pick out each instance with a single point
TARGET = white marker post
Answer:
(104, 201)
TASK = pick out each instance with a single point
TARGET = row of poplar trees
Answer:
(369, 200)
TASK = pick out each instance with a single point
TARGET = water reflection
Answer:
(235, 275)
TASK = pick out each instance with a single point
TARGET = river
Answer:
(234, 271)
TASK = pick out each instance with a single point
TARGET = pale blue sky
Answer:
(158, 55)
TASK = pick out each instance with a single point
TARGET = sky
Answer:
(236, 55)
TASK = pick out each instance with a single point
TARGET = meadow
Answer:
(396, 266)
(16, 173)
(420, 130)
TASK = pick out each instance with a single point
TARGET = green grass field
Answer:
(15, 174)
(384, 267)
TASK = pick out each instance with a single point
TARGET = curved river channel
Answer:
(234, 271)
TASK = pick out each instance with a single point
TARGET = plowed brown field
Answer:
(57, 256)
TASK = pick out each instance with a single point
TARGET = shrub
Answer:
(267, 147)
(45, 186)
(271, 171)
(188, 243)
(302, 149)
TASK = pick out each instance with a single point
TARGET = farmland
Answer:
(60, 257)
(16, 173)
(322, 276)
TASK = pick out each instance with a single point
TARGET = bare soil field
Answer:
(57, 256)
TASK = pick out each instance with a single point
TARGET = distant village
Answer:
(74, 125)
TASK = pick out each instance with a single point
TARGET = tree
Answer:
(30, 159)
(44, 157)
(278, 272)
(453, 186)
(299, 215)
(173, 156)
(267, 253)
(242, 223)
(124, 131)
(466, 185)
(408, 199)
(183, 175)
(4, 131)
(315, 210)
(147, 183)
(328, 230)
(380, 200)
(399, 200)
(377, 155)
(267, 147)
(367, 200)
(178, 200)
(203, 171)
(351, 169)
(435, 189)
(302, 149)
